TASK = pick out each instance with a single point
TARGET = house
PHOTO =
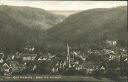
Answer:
(1, 55)
(107, 51)
(102, 68)
(28, 57)
(45, 57)
(111, 43)
(55, 69)
(126, 59)
(1, 58)
(111, 57)
(80, 67)
(1, 61)
(6, 69)
(89, 66)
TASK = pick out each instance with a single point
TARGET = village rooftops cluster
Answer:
(76, 60)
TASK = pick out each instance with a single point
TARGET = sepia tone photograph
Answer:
(63, 41)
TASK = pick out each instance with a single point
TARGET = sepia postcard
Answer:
(63, 41)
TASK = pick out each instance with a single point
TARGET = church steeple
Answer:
(68, 56)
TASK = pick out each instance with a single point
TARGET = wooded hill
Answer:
(91, 28)
(21, 26)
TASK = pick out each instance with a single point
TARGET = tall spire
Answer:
(68, 56)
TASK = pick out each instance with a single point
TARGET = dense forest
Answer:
(23, 26)
(90, 28)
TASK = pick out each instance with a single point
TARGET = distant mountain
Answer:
(65, 12)
(32, 17)
(90, 28)
(20, 26)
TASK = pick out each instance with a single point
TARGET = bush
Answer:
(112, 73)
(98, 73)
(73, 71)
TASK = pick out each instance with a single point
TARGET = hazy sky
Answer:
(65, 5)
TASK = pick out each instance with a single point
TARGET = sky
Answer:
(64, 5)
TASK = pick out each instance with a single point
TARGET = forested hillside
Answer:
(22, 26)
(91, 28)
